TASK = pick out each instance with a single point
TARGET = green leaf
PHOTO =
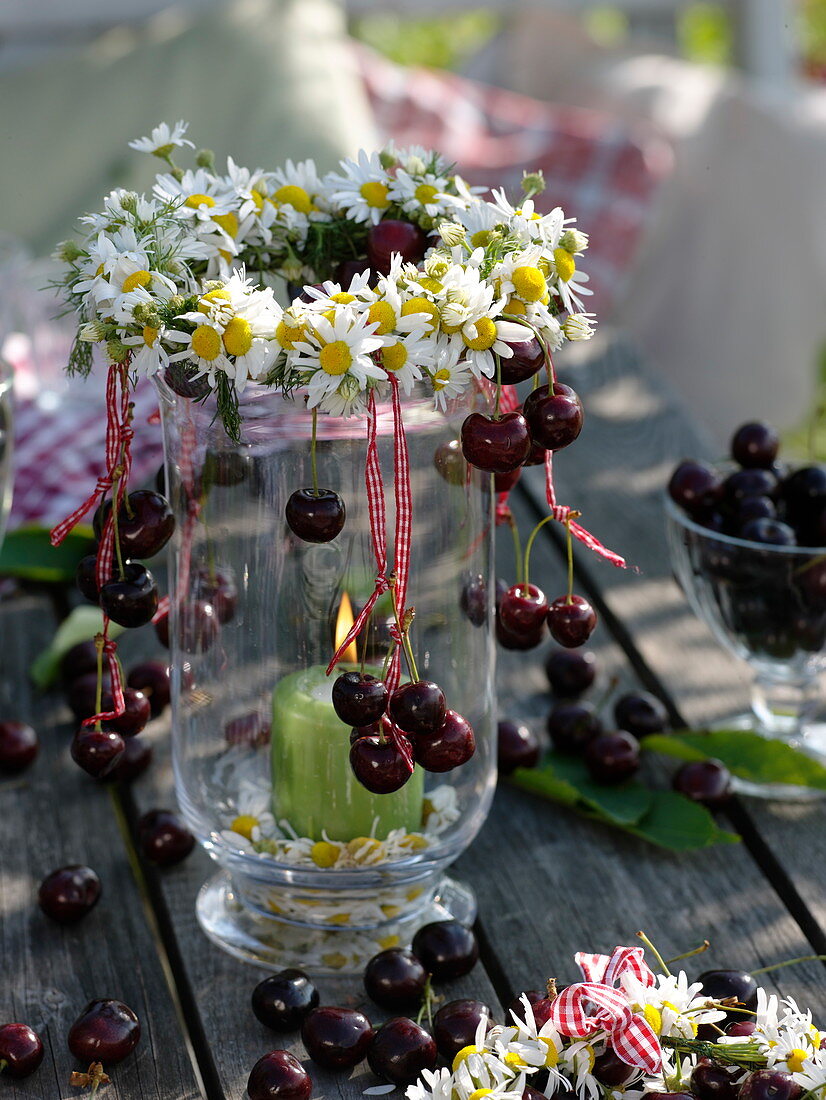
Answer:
(81, 625)
(28, 553)
(746, 754)
(623, 804)
(676, 823)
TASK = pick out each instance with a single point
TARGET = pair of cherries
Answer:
(523, 612)
(392, 733)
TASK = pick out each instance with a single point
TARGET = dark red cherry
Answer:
(446, 949)
(755, 444)
(756, 507)
(710, 1081)
(536, 455)
(145, 523)
(769, 531)
(348, 269)
(571, 620)
(97, 751)
(380, 764)
(613, 757)
(804, 493)
(217, 587)
(106, 1031)
(315, 516)
(517, 746)
(519, 640)
(749, 483)
(198, 627)
(503, 483)
(248, 729)
(336, 1038)
(517, 1007)
(707, 781)
(19, 746)
(720, 984)
(279, 1076)
(554, 419)
(151, 678)
(450, 462)
(21, 1050)
(742, 1027)
(695, 487)
(137, 712)
(768, 1084)
(164, 839)
(282, 1000)
(474, 599)
(455, 1024)
(132, 601)
(395, 979)
(359, 698)
(69, 893)
(640, 713)
(570, 672)
(86, 578)
(495, 446)
(572, 726)
(400, 1050)
(136, 758)
(523, 609)
(418, 707)
(185, 382)
(79, 660)
(449, 747)
(527, 360)
(610, 1069)
(392, 235)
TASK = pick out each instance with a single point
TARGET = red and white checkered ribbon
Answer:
(116, 690)
(609, 969)
(561, 513)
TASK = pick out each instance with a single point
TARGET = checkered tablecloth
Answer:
(596, 169)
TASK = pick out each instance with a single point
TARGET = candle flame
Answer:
(344, 620)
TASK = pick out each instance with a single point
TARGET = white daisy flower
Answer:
(467, 315)
(162, 140)
(440, 808)
(119, 207)
(403, 356)
(203, 347)
(672, 1006)
(299, 187)
(526, 222)
(251, 188)
(579, 326)
(576, 1062)
(422, 193)
(570, 282)
(394, 311)
(149, 354)
(362, 190)
(335, 348)
(331, 294)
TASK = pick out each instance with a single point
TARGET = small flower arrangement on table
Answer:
(410, 277)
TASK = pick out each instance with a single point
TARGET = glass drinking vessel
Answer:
(6, 445)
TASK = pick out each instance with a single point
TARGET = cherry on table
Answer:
(640, 713)
(572, 726)
(749, 483)
(523, 609)
(359, 698)
(216, 586)
(392, 235)
(315, 516)
(279, 1076)
(418, 707)
(81, 659)
(163, 837)
(527, 360)
(446, 949)
(282, 1000)
(19, 746)
(706, 781)
(450, 462)
(136, 758)
(336, 1038)
(695, 487)
(450, 746)
(720, 984)
(741, 1028)
(571, 620)
(570, 672)
(455, 1025)
(516, 1006)
(395, 979)
(348, 269)
(755, 444)
(379, 763)
(710, 1081)
(495, 445)
(769, 1084)
(517, 746)
(21, 1050)
(613, 757)
(97, 751)
(151, 678)
(106, 1031)
(611, 1070)
(69, 893)
(555, 418)
(132, 601)
(400, 1050)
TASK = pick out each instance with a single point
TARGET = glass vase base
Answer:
(267, 941)
(811, 740)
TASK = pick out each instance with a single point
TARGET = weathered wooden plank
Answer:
(635, 433)
(52, 815)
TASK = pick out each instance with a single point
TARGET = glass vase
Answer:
(315, 870)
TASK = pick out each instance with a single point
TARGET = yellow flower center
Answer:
(425, 193)
(206, 342)
(238, 336)
(485, 335)
(514, 1060)
(343, 297)
(565, 264)
(296, 197)
(552, 1055)
(228, 222)
(654, 1018)
(433, 285)
(244, 824)
(441, 379)
(340, 918)
(389, 941)
(391, 911)
(515, 307)
(150, 335)
(99, 270)
(324, 854)
(289, 335)
(136, 279)
(481, 238)
(415, 841)
(383, 313)
(422, 305)
(477, 1094)
(363, 846)
(257, 198)
(796, 1060)
(335, 960)
(199, 200)
(336, 358)
(463, 1054)
(529, 283)
(206, 300)
(375, 194)
(394, 357)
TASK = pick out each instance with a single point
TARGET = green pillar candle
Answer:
(313, 785)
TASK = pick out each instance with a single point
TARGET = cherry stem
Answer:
(387, 659)
(528, 548)
(115, 508)
(788, 962)
(569, 550)
(735, 1054)
(599, 707)
(427, 1002)
(517, 547)
(704, 946)
(660, 961)
(100, 641)
(313, 454)
(3, 1064)
(407, 649)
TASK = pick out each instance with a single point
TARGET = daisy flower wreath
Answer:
(400, 275)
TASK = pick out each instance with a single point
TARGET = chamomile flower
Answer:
(390, 313)
(449, 376)
(206, 203)
(121, 207)
(334, 349)
(570, 283)
(251, 189)
(203, 347)
(299, 187)
(362, 189)
(331, 294)
(468, 313)
(404, 355)
(149, 355)
(579, 326)
(671, 1006)
(576, 1062)
(526, 222)
(163, 140)
(422, 193)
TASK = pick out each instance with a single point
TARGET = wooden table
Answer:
(548, 883)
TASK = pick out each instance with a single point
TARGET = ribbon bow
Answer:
(595, 1005)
